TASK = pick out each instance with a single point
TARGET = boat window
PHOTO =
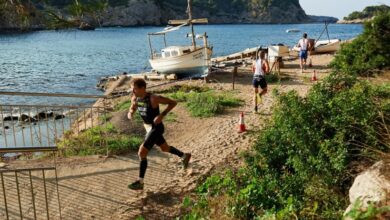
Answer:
(167, 54)
(186, 51)
(174, 53)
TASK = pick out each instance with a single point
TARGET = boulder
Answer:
(371, 186)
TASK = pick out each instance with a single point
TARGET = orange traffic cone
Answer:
(310, 64)
(314, 76)
(242, 123)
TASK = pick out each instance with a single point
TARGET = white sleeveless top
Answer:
(303, 43)
(259, 70)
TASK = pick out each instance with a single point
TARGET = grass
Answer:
(98, 140)
(122, 106)
(205, 103)
(272, 78)
(105, 117)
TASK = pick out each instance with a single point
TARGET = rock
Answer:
(25, 118)
(56, 117)
(44, 115)
(372, 185)
(10, 118)
(84, 26)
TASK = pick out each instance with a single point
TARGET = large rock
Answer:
(373, 185)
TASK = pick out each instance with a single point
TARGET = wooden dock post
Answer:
(234, 74)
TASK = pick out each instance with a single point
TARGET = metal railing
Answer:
(28, 131)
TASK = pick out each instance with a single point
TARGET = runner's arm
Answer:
(156, 100)
(133, 108)
(266, 65)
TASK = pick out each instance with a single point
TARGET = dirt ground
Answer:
(96, 187)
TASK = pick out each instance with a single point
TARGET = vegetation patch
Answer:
(369, 52)
(272, 78)
(202, 102)
(104, 139)
(368, 12)
(373, 211)
(302, 163)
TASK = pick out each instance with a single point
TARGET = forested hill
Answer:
(368, 12)
(40, 14)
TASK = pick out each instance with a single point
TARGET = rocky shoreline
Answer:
(354, 21)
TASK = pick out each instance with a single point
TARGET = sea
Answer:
(73, 61)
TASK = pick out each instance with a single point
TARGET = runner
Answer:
(147, 105)
(260, 67)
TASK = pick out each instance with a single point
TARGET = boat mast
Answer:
(189, 11)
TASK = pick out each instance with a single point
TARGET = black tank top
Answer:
(145, 109)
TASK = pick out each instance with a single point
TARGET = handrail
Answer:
(51, 94)
(27, 149)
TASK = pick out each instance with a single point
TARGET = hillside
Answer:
(367, 14)
(19, 14)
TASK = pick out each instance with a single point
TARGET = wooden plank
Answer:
(157, 77)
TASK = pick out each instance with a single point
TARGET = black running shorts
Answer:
(259, 81)
(154, 136)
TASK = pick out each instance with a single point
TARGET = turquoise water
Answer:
(73, 61)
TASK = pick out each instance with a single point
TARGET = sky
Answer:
(337, 8)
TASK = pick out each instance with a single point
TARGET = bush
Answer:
(301, 163)
(369, 52)
(371, 212)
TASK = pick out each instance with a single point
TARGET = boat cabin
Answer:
(174, 51)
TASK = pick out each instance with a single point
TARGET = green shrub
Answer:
(369, 52)
(371, 212)
(300, 166)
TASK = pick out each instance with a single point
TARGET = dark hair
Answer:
(139, 83)
(304, 35)
(261, 54)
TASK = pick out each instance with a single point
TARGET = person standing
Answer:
(260, 67)
(304, 45)
(147, 105)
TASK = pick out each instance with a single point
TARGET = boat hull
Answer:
(324, 46)
(327, 47)
(195, 63)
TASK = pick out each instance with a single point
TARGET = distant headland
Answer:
(32, 15)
